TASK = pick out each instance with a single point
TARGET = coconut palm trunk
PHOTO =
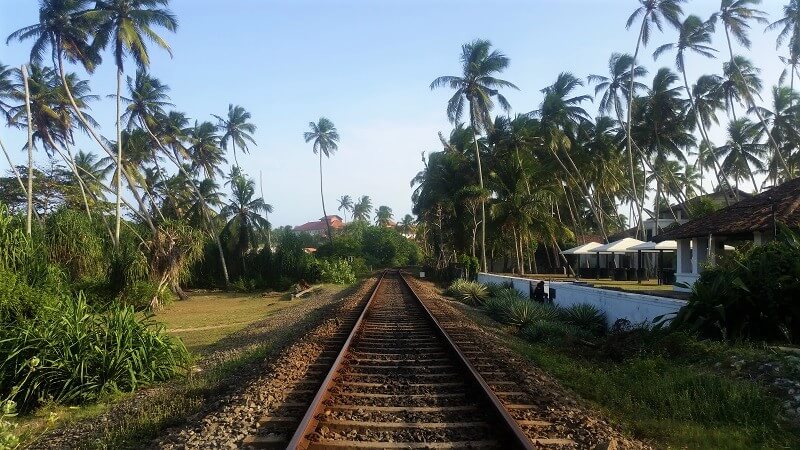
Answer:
(87, 126)
(752, 105)
(704, 135)
(175, 159)
(629, 139)
(322, 196)
(29, 217)
(118, 186)
(483, 201)
(14, 169)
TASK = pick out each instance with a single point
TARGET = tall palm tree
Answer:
(694, 35)
(236, 129)
(743, 151)
(245, 223)
(740, 80)
(477, 86)
(325, 140)
(782, 119)
(125, 24)
(148, 99)
(383, 216)
(614, 87)
(735, 15)
(345, 205)
(362, 209)
(652, 13)
(789, 25)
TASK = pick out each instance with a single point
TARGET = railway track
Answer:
(398, 379)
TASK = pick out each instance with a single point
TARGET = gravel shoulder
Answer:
(571, 416)
(214, 387)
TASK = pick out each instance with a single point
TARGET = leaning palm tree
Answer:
(236, 129)
(694, 35)
(205, 152)
(622, 77)
(7, 92)
(652, 13)
(345, 205)
(125, 24)
(477, 86)
(735, 15)
(325, 140)
(383, 216)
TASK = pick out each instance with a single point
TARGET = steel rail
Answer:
(309, 422)
(513, 433)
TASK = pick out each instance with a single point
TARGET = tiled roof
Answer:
(319, 225)
(749, 215)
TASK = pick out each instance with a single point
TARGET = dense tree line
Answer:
(545, 177)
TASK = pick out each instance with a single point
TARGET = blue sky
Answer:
(367, 65)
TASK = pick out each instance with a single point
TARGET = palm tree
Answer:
(345, 205)
(477, 85)
(740, 79)
(743, 151)
(783, 128)
(614, 87)
(7, 91)
(406, 225)
(734, 15)
(362, 209)
(124, 24)
(210, 196)
(694, 35)
(383, 216)
(96, 173)
(789, 24)
(205, 152)
(325, 141)
(148, 98)
(652, 13)
(236, 129)
(245, 223)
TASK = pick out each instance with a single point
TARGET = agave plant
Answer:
(586, 317)
(473, 293)
(525, 312)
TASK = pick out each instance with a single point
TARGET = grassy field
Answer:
(201, 323)
(208, 317)
(675, 401)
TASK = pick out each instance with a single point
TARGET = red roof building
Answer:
(318, 227)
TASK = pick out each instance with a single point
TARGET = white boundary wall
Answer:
(636, 308)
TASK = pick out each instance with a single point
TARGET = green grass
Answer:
(667, 401)
(203, 323)
(206, 318)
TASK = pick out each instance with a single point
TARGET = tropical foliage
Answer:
(559, 174)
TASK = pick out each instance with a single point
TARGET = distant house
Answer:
(751, 219)
(318, 227)
(682, 211)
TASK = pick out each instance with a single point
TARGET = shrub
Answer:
(496, 307)
(473, 293)
(496, 289)
(455, 288)
(754, 295)
(524, 312)
(81, 355)
(549, 332)
(336, 271)
(140, 295)
(585, 317)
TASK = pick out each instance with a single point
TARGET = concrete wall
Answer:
(636, 308)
